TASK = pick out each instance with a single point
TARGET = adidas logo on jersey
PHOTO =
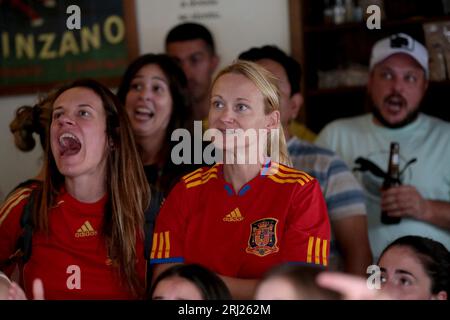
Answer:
(86, 230)
(233, 216)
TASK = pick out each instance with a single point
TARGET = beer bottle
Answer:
(392, 179)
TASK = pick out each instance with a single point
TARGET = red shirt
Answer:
(72, 259)
(273, 219)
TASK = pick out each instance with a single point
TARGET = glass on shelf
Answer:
(342, 11)
(436, 40)
(353, 76)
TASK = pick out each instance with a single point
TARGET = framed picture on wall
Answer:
(44, 43)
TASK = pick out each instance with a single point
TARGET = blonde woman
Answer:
(241, 219)
(87, 240)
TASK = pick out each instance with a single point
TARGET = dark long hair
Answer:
(127, 188)
(181, 111)
(433, 255)
(181, 116)
(209, 283)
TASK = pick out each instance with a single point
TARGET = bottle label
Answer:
(395, 159)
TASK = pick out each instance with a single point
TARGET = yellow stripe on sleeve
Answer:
(5, 213)
(309, 176)
(194, 184)
(154, 244)
(286, 180)
(324, 253)
(294, 175)
(310, 248)
(211, 170)
(201, 175)
(199, 182)
(317, 255)
(167, 239)
(12, 199)
(287, 169)
(161, 245)
(195, 176)
(192, 173)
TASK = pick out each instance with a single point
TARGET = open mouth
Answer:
(69, 144)
(395, 103)
(144, 113)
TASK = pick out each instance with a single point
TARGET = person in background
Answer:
(415, 267)
(412, 268)
(349, 249)
(239, 219)
(397, 83)
(189, 282)
(192, 46)
(27, 121)
(288, 70)
(154, 92)
(293, 282)
(87, 222)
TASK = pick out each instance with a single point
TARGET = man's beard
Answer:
(410, 117)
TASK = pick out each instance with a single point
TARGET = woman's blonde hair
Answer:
(126, 185)
(267, 84)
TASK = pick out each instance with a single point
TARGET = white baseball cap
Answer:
(399, 43)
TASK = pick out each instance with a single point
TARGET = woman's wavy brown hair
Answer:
(127, 188)
(29, 120)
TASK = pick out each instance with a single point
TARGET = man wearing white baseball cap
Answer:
(399, 43)
(397, 84)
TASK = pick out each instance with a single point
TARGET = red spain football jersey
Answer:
(72, 259)
(275, 218)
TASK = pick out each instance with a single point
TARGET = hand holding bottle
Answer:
(404, 201)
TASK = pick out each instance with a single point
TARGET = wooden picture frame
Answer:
(39, 52)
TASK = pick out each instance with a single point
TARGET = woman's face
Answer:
(176, 288)
(78, 136)
(236, 103)
(403, 275)
(148, 102)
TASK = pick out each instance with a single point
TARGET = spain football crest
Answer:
(263, 237)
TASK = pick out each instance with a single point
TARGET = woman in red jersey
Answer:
(242, 217)
(87, 238)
